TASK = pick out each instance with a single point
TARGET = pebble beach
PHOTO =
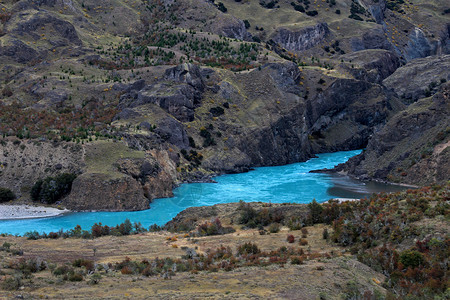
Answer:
(8, 212)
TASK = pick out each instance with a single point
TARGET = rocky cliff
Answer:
(419, 78)
(136, 98)
(413, 147)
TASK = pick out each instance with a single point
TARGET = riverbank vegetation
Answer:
(403, 236)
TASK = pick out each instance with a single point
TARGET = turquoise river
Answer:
(289, 183)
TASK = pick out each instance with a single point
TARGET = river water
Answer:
(290, 183)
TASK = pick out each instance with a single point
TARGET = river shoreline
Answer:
(23, 211)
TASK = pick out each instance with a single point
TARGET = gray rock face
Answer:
(445, 38)
(373, 39)
(372, 65)
(286, 76)
(19, 52)
(186, 73)
(413, 147)
(22, 163)
(345, 115)
(177, 99)
(173, 132)
(419, 46)
(28, 22)
(179, 92)
(376, 9)
(236, 30)
(411, 81)
(153, 176)
(231, 27)
(284, 142)
(303, 39)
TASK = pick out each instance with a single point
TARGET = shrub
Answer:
(75, 277)
(81, 262)
(11, 283)
(95, 278)
(303, 242)
(274, 228)
(217, 111)
(62, 270)
(290, 239)
(222, 7)
(126, 227)
(213, 228)
(7, 92)
(53, 235)
(315, 212)
(411, 258)
(98, 230)
(32, 235)
(248, 248)
(6, 195)
(296, 260)
(247, 213)
(304, 232)
(126, 270)
(325, 234)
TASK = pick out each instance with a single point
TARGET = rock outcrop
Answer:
(419, 45)
(19, 52)
(303, 39)
(346, 114)
(179, 92)
(413, 147)
(419, 77)
(91, 191)
(29, 22)
(23, 162)
(372, 65)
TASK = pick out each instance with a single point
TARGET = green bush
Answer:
(6, 195)
(411, 258)
(274, 227)
(248, 248)
(316, 212)
(52, 189)
(11, 283)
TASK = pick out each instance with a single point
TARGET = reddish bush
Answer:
(290, 238)
(126, 270)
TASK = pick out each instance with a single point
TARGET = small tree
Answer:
(315, 212)
(6, 195)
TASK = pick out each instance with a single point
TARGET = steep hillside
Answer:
(142, 95)
(413, 147)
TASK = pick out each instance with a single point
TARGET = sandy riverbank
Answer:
(28, 211)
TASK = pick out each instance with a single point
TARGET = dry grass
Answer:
(319, 276)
